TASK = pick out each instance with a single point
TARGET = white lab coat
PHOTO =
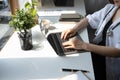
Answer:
(98, 21)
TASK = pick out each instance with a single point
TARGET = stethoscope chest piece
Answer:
(109, 33)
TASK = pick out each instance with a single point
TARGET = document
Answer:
(75, 76)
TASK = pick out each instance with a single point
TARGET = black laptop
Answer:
(56, 42)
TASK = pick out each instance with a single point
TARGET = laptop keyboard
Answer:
(61, 41)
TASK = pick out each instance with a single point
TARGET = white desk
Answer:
(41, 63)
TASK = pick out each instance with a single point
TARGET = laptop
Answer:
(56, 42)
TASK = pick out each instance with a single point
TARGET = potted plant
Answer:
(22, 21)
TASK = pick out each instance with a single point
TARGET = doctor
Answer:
(107, 41)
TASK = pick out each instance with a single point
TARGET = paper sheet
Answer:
(75, 76)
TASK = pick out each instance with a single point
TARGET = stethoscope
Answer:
(109, 31)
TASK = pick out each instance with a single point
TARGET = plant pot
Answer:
(25, 40)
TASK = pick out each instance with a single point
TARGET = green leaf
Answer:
(27, 5)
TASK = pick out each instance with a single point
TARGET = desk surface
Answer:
(41, 63)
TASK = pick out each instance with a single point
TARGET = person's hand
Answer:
(74, 43)
(68, 33)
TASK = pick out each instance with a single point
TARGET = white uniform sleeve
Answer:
(95, 18)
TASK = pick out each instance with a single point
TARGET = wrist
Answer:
(85, 46)
(74, 29)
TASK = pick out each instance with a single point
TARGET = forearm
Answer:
(83, 23)
(102, 50)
